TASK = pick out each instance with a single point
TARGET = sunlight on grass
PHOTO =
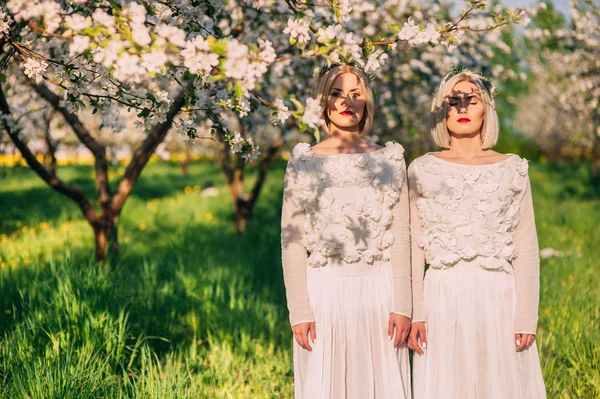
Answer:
(192, 310)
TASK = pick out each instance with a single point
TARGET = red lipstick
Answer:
(463, 120)
(346, 113)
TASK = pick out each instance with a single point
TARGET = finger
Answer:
(390, 329)
(306, 342)
(423, 337)
(413, 342)
(530, 340)
(404, 335)
(398, 336)
(518, 342)
(313, 332)
(521, 342)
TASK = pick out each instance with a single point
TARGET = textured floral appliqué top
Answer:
(348, 202)
(468, 213)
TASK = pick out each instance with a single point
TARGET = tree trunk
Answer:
(106, 238)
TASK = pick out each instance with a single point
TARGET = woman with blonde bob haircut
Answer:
(323, 88)
(475, 309)
(439, 110)
(346, 251)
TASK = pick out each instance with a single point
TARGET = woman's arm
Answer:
(293, 252)
(526, 267)
(417, 253)
(400, 252)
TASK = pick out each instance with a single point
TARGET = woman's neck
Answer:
(465, 146)
(343, 137)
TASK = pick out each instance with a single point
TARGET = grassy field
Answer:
(191, 310)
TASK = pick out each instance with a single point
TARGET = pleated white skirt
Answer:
(352, 357)
(470, 339)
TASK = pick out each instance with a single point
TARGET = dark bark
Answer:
(50, 143)
(103, 224)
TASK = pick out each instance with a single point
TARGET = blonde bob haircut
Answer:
(324, 85)
(439, 110)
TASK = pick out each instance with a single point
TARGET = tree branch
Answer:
(83, 134)
(72, 191)
(143, 153)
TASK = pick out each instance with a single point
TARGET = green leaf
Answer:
(238, 90)
(2, 78)
(145, 113)
(395, 28)
(293, 41)
(298, 105)
(187, 75)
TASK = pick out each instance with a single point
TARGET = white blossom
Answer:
(78, 22)
(34, 68)
(236, 142)
(79, 45)
(375, 61)
(329, 34)
(312, 112)
(298, 29)
(283, 112)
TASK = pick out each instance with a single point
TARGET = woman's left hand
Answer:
(401, 324)
(523, 341)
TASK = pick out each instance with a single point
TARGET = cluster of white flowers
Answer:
(34, 68)
(416, 34)
(197, 56)
(283, 112)
(48, 11)
(5, 23)
(298, 30)
(312, 112)
(254, 152)
(329, 34)
(375, 60)
(236, 143)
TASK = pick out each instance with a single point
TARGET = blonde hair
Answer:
(439, 110)
(323, 87)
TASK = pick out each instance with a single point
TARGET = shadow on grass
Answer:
(185, 284)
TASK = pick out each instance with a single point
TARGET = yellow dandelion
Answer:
(7, 311)
(544, 225)
(142, 226)
(552, 328)
(187, 189)
(3, 264)
(209, 216)
(571, 277)
(25, 229)
(43, 225)
(196, 188)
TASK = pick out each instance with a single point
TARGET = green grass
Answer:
(192, 310)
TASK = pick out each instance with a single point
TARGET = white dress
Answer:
(474, 226)
(346, 260)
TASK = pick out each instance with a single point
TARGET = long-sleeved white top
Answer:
(344, 209)
(475, 213)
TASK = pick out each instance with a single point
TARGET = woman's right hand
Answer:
(301, 333)
(417, 333)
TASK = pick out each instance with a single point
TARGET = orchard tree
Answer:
(202, 60)
(562, 111)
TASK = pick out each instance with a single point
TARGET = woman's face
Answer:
(465, 109)
(346, 101)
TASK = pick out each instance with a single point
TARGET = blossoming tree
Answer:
(561, 112)
(202, 60)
